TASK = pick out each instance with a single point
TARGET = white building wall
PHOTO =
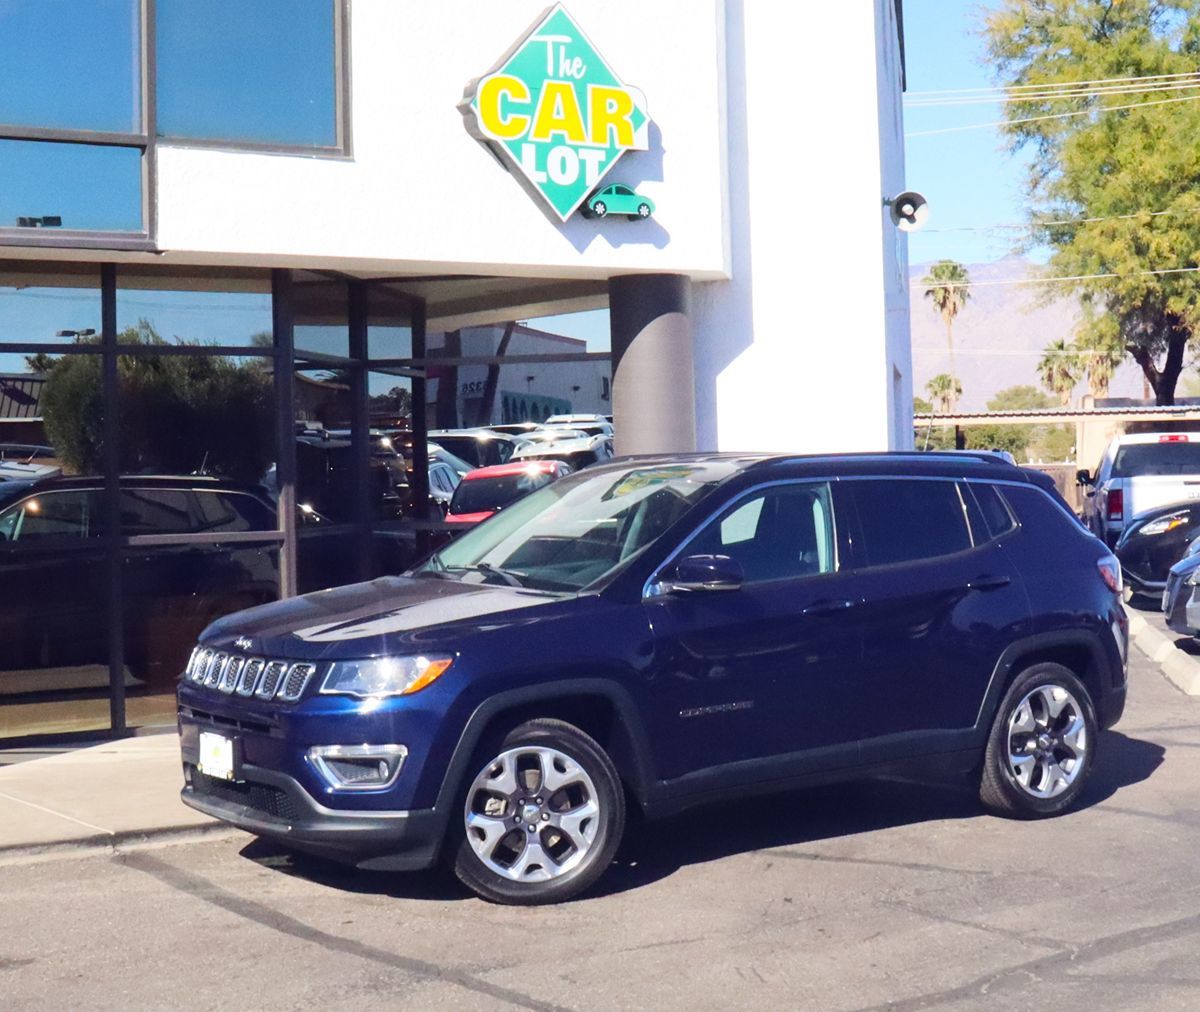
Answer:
(806, 348)
(420, 195)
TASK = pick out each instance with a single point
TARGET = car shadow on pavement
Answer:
(656, 850)
(653, 851)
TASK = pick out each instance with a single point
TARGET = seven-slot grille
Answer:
(260, 677)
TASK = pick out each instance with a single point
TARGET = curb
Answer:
(113, 843)
(1180, 668)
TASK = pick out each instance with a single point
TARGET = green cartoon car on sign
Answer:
(618, 199)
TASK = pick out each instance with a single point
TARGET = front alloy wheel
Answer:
(542, 818)
(1042, 744)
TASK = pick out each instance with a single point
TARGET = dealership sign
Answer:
(556, 113)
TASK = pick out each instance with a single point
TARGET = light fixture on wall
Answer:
(909, 210)
(87, 332)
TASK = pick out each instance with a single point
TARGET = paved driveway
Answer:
(878, 895)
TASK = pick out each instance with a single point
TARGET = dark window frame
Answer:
(146, 140)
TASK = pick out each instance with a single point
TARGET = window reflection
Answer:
(84, 186)
(261, 72)
(71, 64)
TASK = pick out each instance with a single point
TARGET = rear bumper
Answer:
(272, 804)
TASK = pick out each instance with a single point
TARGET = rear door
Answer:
(765, 670)
(941, 601)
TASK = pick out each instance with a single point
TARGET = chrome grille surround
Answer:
(249, 676)
(297, 679)
(271, 677)
(249, 679)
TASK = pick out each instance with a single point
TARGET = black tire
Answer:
(1000, 789)
(643, 211)
(599, 209)
(573, 743)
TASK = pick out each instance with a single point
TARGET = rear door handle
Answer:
(828, 607)
(989, 582)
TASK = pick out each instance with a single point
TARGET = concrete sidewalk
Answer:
(120, 792)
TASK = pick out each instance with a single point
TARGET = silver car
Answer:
(1181, 600)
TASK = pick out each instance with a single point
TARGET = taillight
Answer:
(1110, 573)
(1175, 437)
(1114, 503)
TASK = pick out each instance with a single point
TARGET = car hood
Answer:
(391, 615)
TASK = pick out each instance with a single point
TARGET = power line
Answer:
(1057, 115)
(1053, 84)
(1052, 96)
(1060, 222)
(1043, 281)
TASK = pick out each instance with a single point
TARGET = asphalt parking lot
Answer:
(884, 895)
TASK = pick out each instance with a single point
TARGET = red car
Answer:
(488, 490)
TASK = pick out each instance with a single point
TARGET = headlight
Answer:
(1164, 524)
(383, 676)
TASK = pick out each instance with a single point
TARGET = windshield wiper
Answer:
(488, 569)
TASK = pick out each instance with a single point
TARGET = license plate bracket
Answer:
(217, 756)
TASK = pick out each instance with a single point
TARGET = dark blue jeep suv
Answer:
(662, 633)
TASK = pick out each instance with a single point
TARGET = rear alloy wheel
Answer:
(643, 211)
(542, 818)
(1042, 745)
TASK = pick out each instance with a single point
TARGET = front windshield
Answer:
(579, 529)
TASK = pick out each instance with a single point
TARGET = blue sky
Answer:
(968, 176)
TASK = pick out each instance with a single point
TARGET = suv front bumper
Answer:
(273, 804)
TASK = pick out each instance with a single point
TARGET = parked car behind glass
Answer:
(665, 633)
(488, 490)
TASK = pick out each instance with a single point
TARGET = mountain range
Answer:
(999, 336)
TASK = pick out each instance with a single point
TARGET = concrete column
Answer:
(653, 374)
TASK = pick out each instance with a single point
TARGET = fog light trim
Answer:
(391, 757)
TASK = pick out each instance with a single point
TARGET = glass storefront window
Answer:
(54, 575)
(321, 319)
(47, 305)
(71, 64)
(83, 186)
(262, 72)
(229, 309)
(210, 416)
(170, 593)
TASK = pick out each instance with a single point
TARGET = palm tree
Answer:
(1060, 370)
(944, 390)
(1100, 360)
(947, 281)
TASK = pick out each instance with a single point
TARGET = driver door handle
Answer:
(828, 607)
(989, 582)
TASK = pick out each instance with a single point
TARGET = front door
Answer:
(760, 671)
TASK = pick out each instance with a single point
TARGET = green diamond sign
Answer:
(556, 113)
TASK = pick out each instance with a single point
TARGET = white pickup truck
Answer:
(1137, 473)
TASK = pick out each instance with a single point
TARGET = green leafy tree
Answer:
(944, 391)
(1023, 397)
(1059, 370)
(946, 289)
(179, 414)
(1114, 183)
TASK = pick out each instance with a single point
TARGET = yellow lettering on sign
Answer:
(610, 109)
(492, 94)
(558, 112)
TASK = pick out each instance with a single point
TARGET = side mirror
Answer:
(1084, 477)
(701, 573)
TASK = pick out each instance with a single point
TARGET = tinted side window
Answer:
(155, 511)
(780, 533)
(53, 515)
(232, 511)
(996, 515)
(904, 520)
